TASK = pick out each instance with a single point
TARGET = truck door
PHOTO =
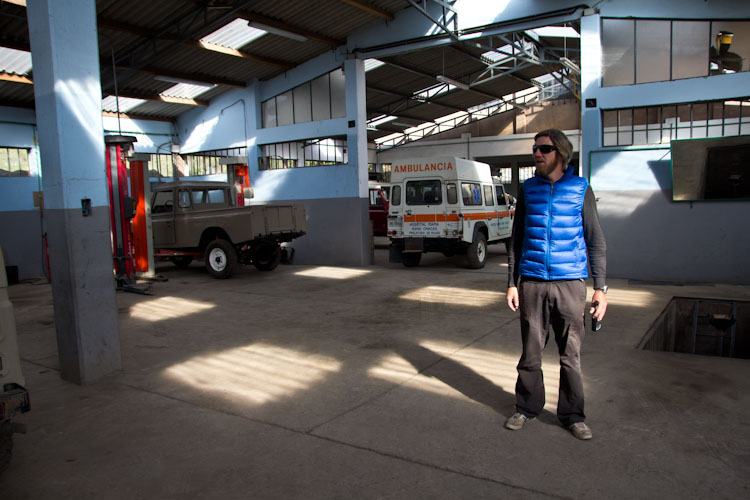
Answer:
(505, 212)
(162, 217)
(492, 211)
(424, 212)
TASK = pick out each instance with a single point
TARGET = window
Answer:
(396, 195)
(451, 193)
(320, 99)
(376, 200)
(500, 193)
(644, 50)
(662, 124)
(711, 169)
(489, 200)
(162, 202)
(183, 198)
(309, 153)
(161, 165)
(14, 162)
(426, 192)
(471, 193)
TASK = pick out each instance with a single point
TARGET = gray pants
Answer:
(560, 304)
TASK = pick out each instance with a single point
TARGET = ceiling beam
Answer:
(22, 3)
(15, 44)
(237, 53)
(7, 77)
(370, 8)
(413, 98)
(215, 80)
(111, 114)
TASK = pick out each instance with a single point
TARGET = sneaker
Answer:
(581, 430)
(516, 421)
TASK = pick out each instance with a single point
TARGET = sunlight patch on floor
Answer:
(168, 308)
(336, 273)
(258, 373)
(455, 296)
(498, 368)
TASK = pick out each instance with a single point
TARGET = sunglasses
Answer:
(544, 148)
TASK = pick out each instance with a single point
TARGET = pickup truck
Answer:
(192, 219)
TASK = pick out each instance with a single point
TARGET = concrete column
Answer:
(69, 117)
(356, 114)
(591, 73)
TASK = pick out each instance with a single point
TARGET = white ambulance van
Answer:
(448, 205)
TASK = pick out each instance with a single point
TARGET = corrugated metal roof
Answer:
(162, 38)
(14, 62)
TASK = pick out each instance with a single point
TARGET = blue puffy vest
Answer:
(553, 243)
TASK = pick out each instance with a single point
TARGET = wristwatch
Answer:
(603, 289)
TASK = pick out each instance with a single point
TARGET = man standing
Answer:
(556, 236)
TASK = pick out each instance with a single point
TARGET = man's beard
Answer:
(546, 168)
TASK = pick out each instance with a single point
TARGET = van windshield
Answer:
(425, 192)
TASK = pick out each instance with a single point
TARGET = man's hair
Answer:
(561, 142)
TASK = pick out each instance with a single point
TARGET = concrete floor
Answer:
(377, 382)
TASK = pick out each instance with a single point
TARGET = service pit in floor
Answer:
(706, 326)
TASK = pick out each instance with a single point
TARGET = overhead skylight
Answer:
(556, 32)
(371, 64)
(126, 104)
(14, 61)
(186, 91)
(234, 35)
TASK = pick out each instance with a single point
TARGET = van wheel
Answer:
(412, 259)
(221, 258)
(268, 258)
(477, 252)
(182, 261)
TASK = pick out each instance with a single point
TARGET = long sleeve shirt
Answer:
(596, 247)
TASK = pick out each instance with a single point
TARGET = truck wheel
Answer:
(412, 259)
(477, 252)
(182, 261)
(221, 258)
(6, 445)
(268, 258)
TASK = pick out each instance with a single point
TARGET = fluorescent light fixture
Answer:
(451, 81)
(277, 31)
(186, 81)
(570, 65)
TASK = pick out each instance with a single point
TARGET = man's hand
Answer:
(512, 298)
(598, 311)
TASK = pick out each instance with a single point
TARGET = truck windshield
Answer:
(425, 192)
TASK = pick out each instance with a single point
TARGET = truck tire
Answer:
(6, 445)
(182, 261)
(268, 258)
(477, 252)
(412, 259)
(221, 259)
